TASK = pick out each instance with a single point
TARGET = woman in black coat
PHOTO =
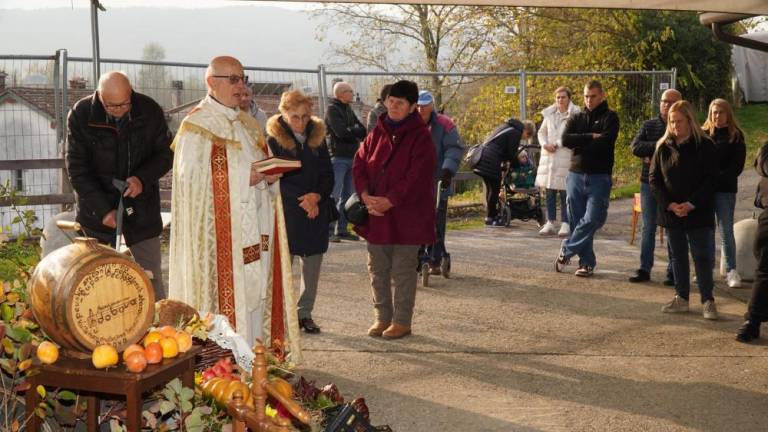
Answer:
(682, 173)
(296, 134)
(501, 146)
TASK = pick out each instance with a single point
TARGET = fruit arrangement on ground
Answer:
(104, 356)
(47, 352)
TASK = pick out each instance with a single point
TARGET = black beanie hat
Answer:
(405, 89)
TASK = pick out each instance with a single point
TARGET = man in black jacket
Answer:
(591, 135)
(118, 134)
(643, 146)
(344, 133)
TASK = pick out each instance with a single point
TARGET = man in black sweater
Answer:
(643, 146)
(591, 135)
(344, 133)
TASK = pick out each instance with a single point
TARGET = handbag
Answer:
(354, 209)
(473, 155)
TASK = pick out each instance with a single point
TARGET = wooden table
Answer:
(80, 376)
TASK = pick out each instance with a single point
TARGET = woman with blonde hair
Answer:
(682, 174)
(731, 151)
(296, 134)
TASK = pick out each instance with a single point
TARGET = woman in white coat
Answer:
(555, 160)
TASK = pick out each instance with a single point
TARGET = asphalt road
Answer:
(507, 344)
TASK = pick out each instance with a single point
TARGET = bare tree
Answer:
(411, 37)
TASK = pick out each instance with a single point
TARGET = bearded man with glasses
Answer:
(229, 249)
(119, 134)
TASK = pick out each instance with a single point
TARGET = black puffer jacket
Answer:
(644, 143)
(344, 130)
(685, 173)
(592, 155)
(305, 236)
(97, 152)
(500, 146)
(730, 157)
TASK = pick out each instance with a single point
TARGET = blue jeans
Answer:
(701, 242)
(343, 187)
(725, 203)
(552, 205)
(648, 239)
(588, 199)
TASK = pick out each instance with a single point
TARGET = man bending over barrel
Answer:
(229, 251)
(118, 144)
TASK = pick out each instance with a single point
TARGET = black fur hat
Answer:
(405, 89)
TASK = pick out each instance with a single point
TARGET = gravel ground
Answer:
(507, 344)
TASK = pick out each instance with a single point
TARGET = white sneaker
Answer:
(677, 305)
(565, 230)
(733, 279)
(709, 311)
(547, 229)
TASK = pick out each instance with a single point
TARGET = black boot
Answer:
(748, 331)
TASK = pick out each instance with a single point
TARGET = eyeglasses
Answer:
(113, 107)
(234, 79)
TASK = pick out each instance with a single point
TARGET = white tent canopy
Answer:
(751, 7)
(751, 68)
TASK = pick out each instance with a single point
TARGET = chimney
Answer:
(77, 83)
(176, 94)
(2, 79)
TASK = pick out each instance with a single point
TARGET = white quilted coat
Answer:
(553, 166)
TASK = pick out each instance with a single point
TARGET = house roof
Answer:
(42, 99)
(270, 103)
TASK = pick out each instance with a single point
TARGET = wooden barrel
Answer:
(85, 295)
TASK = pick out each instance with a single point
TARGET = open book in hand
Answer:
(276, 165)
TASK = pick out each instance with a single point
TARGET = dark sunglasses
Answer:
(234, 79)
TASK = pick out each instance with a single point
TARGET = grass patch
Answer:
(626, 191)
(752, 119)
(465, 224)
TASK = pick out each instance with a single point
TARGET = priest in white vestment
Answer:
(229, 248)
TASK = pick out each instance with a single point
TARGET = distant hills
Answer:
(258, 35)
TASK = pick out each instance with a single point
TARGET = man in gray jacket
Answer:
(449, 150)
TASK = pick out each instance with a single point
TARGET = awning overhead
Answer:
(751, 7)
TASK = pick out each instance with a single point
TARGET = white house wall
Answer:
(26, 133)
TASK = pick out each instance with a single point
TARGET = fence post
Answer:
(523, 96)
(653, 88)
(321, 90)
(57, 107)
(61, 58)
(674, 78)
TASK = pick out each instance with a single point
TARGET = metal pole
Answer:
(653, 92)
(523, 96)
(322, 93)
(674, 78)
(57, 106)
(64, 185)
(95, 6)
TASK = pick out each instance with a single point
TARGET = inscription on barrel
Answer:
(109, 304)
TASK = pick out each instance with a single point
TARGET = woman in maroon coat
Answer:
(393, 173)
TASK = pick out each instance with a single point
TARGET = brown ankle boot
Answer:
(377, 329)
(396, 331)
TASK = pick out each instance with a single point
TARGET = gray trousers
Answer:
(393, 265)
(310, 278)
(147, 255)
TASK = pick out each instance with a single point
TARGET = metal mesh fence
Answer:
(38, 91)
(28, 130)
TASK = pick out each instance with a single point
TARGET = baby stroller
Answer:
(425, 259)
(520, 203)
